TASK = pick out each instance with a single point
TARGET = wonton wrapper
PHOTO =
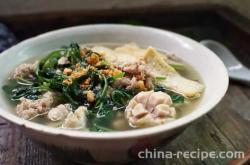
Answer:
(121, 56)
(157, 66)
(76, 119)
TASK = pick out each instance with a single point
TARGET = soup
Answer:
(104, 87)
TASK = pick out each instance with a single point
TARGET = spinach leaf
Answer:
(103, 94)
(102, 119)
(66, 93)
(120, 96)
(73, 53)
(176, 98)
(120, 75)
(102, 110)
(46, 68)
(98, 128)
(55, 82)
(51, 60)
(29, 92)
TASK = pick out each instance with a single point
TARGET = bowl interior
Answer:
(210, 68)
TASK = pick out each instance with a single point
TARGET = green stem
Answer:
(104, 91)
(24, 80)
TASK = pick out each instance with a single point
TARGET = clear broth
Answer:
(119, 123)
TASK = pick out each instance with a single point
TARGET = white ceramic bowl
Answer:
(116, 146)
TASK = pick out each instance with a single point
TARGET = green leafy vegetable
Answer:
(51, 60)
(176, 98)
(177, 66)
(160, 78)
(102, 115)
(120, 75)
(15, 92)
(120, 96)
(73, 52)
(104, 63)
(23, 81)
(102, 95)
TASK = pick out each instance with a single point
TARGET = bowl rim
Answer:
(119, 134)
